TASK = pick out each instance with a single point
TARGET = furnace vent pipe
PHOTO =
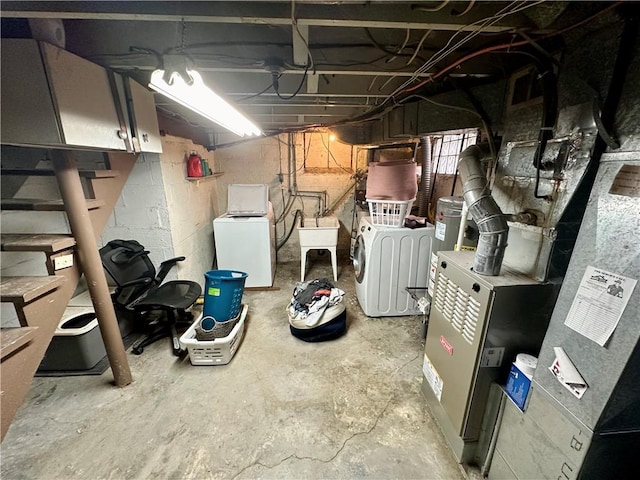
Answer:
(425, 176)
(484, 210)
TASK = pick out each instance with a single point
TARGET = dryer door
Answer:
(359, 256)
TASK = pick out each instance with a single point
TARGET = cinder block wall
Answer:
(168, 214)
(321, 165)
(141, 213)
(192, 206)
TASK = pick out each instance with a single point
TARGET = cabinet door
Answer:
(28, 116)
(84, 101)
(528, 450)
(500, 470)
(146, 127)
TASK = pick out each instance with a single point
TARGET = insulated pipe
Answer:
(484, 210)
(425, 176)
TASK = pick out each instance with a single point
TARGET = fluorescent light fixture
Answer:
(202, 100)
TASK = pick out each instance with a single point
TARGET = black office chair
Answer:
(140, 292)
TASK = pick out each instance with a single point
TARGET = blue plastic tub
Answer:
(223, 294)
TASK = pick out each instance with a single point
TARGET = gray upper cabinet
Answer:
(53, 98)
(142, 121)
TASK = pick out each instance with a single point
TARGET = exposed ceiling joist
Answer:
(297, 63)
(302, 22)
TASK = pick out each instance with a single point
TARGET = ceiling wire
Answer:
(415, 54)
(265, 90)
(466, 10)
(380, 109)
(484, 23)
(510, 45)
(437, 8)
(276, 87)
(512, 8)
(383, 49)
(404, 44)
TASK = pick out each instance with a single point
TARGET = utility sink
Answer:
(320, 232)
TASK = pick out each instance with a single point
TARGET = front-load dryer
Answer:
(386, 261)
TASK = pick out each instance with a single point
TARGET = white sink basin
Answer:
(319, 232)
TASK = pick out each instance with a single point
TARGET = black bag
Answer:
(334, 325)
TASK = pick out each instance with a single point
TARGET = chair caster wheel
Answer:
(137, 350)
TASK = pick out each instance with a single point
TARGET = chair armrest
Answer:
(139, 281)
(165, 268)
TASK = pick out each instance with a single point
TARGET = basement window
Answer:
(447, 147)
(323, 153)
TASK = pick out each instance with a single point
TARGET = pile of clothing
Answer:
(316, 311)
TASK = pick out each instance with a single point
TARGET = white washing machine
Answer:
(247, 244)
(386, 260)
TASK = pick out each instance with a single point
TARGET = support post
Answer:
(82, 229)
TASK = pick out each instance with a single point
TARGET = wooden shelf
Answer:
(213, 175)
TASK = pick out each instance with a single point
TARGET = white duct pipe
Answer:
(463, 226)
(484, 210)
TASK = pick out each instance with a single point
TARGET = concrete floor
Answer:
(282, 408)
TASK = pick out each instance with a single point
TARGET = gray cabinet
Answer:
(141, 119)
(53, 98)
(541, 444)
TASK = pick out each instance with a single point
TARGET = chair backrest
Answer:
(126, 261)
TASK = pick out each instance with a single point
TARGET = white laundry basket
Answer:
(389, 213)
(213, 352)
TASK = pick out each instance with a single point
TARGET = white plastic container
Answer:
(214, 352)
(324, 234)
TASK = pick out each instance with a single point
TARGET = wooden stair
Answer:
(26, 242)
(13, 339)
(36, 304)
(38, 205)
(41, 301)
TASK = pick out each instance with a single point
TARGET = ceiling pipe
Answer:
(484, 210)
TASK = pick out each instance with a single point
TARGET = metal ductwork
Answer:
(484, 210)
(425, 176)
